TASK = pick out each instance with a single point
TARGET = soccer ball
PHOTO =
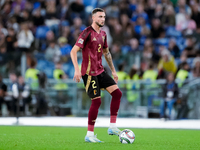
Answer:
(127, 137)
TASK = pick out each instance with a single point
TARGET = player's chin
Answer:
(101, 25)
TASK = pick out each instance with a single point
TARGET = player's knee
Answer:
(96, 101)
(117, 94)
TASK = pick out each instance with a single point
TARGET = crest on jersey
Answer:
(103, 37)
(95, 92)
(80, 41)
(94, 39)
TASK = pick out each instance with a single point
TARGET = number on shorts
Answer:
(93, 84)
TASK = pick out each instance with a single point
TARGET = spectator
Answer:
(167, 63)
(150, 8)
(20, 3)
(134, 45)
(122, 75)
(170, 95)
(139, 13)
(12, 23)
(3, 30)
(117, 53)
(2, 39)
(65, 48)
(25, 38)
(127, 28)
(13, 79)
(182, 5)
(168, 18)
(3, 91)
(38, 19)
(50, 36)
(190, 50)
(51, 19)
(187, 24)
(124, 8)
(51, 9)
(131, 93)
(180, 17)
(59, 75)
(141, 28)
(76, 9)
(157, 30)
(196, 68)
(4, 60)
(11, 40)
(17, 13)
(183, 73)
(158, 11)
(5, 10)
(53, 52)
(25, 16)
(113, 10)
(77, 24)
(23, 94)
(196, 14)
(149, 55)
(183, 59)
(62, 9)
(173, 48)
(32, 75)
(150, 75)
(132, 6)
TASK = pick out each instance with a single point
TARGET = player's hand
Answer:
(115, 76)
(77, 76)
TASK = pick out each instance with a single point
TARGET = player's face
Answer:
(99, 18)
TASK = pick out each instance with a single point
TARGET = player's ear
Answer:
(93, 16)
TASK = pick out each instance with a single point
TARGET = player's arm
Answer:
(108, 58)
(73, 54)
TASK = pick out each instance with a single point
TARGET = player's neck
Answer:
(96, 27)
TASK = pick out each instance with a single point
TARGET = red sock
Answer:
(93, 112)
(114, 106)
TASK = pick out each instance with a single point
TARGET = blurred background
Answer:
(155, 45)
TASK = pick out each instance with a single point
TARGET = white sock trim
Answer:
(113, 125)
(90, 133)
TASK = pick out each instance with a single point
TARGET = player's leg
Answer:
(114, 107)
(93, 91)
(106, 82)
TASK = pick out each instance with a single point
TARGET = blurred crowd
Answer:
(164, 32)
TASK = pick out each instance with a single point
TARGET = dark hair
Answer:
(33, 63)
(151, 65)
(97, 10)
(120, 67)
(132, 72)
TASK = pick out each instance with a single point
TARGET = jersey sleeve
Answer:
(82, 39)
(105, 42)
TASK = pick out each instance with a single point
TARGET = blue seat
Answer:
(41, 32)
(92, 3)
(49, 72)
(180, 43)
(172, 32)
(163, 41)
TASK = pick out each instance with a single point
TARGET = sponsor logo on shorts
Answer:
(95, 92)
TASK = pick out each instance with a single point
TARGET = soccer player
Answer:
(93, 42)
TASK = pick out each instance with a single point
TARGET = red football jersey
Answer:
(92, 44)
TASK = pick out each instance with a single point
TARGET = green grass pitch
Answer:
(72, 138)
